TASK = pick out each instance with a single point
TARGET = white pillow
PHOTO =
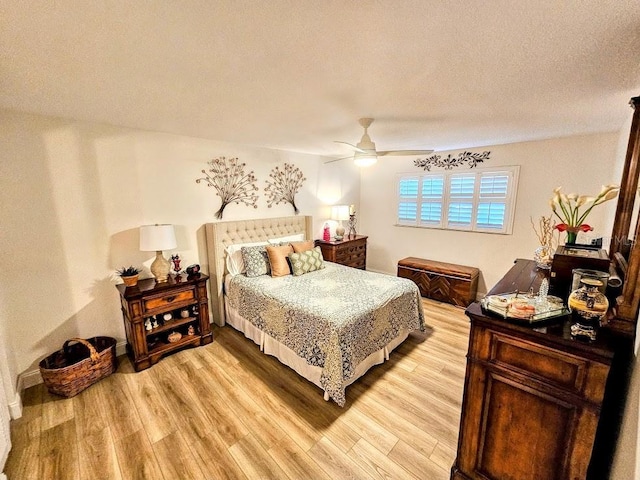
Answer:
(298, 237)
(234, 261)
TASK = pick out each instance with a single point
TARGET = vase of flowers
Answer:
(573, 209)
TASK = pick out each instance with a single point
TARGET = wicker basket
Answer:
(75, 367)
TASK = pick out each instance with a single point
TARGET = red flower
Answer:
(563, 227)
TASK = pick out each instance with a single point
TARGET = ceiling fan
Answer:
(366, 154)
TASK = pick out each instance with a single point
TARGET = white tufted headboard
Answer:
(222, 234)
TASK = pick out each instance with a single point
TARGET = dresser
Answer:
(160, 318)
(351, 251)
(535, 400)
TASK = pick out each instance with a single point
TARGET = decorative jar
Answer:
(543, 256)
(587, 302)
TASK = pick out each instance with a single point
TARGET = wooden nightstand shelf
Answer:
(352, 251)
(151, 300)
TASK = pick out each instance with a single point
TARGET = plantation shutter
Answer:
(492, 201)
(481, 200)
(461, 193)
(408, 200)
(431, 200)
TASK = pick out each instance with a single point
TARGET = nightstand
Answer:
(165, 308)
(352, 251)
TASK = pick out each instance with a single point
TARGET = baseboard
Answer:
(33, 377)
(121, 348)
(28, 380)
(15, 408)
(379, 271)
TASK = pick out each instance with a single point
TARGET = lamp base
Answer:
(160, 267)
(339, 232)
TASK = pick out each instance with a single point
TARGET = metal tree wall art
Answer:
(283, 185)
(232, 184)
(471, 158)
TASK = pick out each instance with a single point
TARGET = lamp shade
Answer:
(340, 212)
(154, 238)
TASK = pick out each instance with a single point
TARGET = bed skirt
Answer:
(288, 357)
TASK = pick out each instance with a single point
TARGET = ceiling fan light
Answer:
(365, 160)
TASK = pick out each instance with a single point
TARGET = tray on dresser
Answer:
(523, 308)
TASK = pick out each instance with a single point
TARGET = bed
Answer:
(330, 325)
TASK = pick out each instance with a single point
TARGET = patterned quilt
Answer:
(333, 318)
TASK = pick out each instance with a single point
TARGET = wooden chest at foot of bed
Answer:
(446, 282)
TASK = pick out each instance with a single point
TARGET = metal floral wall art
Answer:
(232, 184)
(283, 185)
(449, 162)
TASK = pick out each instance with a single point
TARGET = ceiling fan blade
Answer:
(405, 152)
(338, 159)
(357, 149)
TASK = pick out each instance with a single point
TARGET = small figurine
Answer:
(147, 324)
(184, 313)
(154, 323)
(191, 330)
(176, 263)
(174, 337)
(193, 270)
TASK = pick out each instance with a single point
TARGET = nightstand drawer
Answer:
(351, 251)
(173, 298)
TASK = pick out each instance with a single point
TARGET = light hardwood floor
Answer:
(227, 411)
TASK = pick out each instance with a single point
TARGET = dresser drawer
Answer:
(546, 365)
(351, 251)
(175, 298)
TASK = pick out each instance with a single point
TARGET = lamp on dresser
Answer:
(340, 213)
(158, 238)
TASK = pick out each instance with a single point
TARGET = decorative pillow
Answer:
(234, 261)
(305, 262)
(255, 260)
(298, 237)
(302, 246)
(278, 260)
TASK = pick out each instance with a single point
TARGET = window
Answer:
(480, 201)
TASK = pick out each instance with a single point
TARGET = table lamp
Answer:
(339, 213)
(158, 238)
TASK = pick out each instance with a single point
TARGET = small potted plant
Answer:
(129, 275)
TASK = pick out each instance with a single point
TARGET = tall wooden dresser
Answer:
(533, 396)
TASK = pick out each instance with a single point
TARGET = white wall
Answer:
(72, 197)
(578, 164)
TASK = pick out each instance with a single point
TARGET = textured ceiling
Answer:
(297, 74)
